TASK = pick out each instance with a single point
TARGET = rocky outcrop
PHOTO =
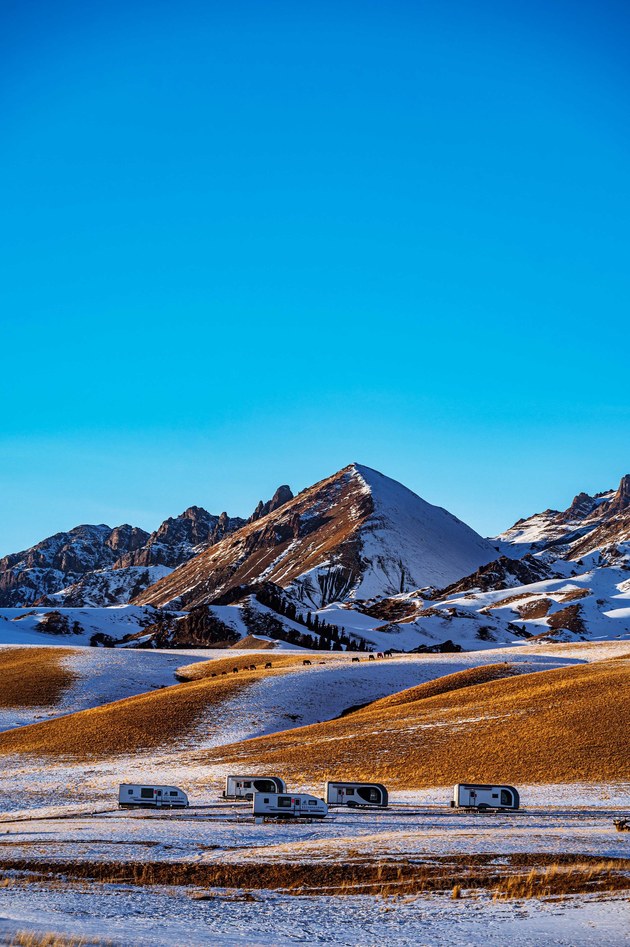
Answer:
(502, 573)
(179, 538)
(620, 503)
(282, 495)
(200, 628)
(61, 560)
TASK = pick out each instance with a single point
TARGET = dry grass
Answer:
(144, 722)
(561, 880)
(253, 643)
(516, 876)
(563, 725)
(48, 939)
(34, 677)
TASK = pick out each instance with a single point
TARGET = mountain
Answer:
(590, 523)
(62, 560)
(352, 536)
(88, 565)
(355, 561)
(180, 538)
(562, 575)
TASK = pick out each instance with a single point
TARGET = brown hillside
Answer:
(33, 677)
(144, 722)
(565, 725)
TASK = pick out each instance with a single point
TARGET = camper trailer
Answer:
(481, 796)
(244, 787)
(143, 796)
(284, 805)
(357, 794)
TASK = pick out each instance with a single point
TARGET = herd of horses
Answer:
(306, 661)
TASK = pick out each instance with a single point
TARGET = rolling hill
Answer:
(482, 725)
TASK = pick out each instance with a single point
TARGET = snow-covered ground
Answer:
(126, 914)
(59, 810)
(23, 625)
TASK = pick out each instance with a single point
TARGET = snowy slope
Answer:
(406, 543)
(29, 626)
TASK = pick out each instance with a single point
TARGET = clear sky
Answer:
(247, 243)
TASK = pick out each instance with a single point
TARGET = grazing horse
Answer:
(306, 662)
(371, 657)
(356, 659)
(268, 664)
(234, 670)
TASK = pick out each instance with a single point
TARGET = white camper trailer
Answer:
(482, 796)
(357, 794)
(289, 805)
(149, 796)
(244, 787)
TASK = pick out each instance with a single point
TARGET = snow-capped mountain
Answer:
(590, 523)
(562, 574)
(352, 536)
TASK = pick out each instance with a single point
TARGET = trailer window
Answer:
(175, 793)
(146, 794)
(284, 802)
(495, 795)
(265, 800)
(349, 791)
(312, 802)
(506, 798)
(247, 785)
(130, 792)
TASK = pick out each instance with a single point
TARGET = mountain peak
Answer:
(354, 535)
(621, 499)
(282, 495)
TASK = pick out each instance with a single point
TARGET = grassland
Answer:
(564, 725)
(147, 721)
(34, 677)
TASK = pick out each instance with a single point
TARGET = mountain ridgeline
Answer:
(356, 560)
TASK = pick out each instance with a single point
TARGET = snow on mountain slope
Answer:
(408, 543)
(353, 535)
(107, 587)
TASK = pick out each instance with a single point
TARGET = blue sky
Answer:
(244, 244)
